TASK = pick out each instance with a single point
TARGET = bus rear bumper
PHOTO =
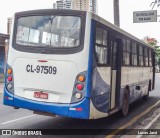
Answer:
(79, 110)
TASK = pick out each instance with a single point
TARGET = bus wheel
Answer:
(125, 103)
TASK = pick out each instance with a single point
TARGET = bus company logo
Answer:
(6, 132)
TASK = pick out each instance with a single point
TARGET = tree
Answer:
(153, 42)
(157, 51)
(155, 2)
(159, 61)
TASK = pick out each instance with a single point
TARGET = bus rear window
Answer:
(49, 31)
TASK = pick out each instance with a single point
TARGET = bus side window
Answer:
(150, 58)
(101, 48)
(134, 54)
(126, 52)
(99, 35)
(101, 53)
(146, 56)
(140, 49)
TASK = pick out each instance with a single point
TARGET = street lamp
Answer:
(116, 12)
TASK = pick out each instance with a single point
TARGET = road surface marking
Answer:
(149, 125)
(132, 121)
(17, 119)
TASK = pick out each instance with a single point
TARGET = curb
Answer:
(133, 121)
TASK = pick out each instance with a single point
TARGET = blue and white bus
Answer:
(75, 64)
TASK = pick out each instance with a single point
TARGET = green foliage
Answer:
(153, 44)
(159, 61)
(157, 51)
(157, 48)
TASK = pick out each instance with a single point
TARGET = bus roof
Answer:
(116, 28)
(94, 16)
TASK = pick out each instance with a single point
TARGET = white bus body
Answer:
(75, 64)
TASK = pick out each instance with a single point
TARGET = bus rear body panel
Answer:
(31, 76)
(59, 87)
(45, 79)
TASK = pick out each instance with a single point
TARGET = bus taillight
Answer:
(80, 87)
(78, 95)
(9, 71)
(9, 86)
(9, 78)
(81, 78)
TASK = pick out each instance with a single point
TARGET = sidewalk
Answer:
(148, 127)
(2, 78)
(1, 87)
(151, 125)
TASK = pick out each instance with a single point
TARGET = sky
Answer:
(105, 10)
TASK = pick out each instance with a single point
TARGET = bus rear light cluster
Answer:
(80, 86)
(9, 79)
(79, 89)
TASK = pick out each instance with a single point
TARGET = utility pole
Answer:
(116, 12)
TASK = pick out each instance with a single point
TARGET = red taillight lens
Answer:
(9, 78)
(80, 87)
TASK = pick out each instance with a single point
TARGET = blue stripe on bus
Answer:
(90, 61)
(84, 105)
(58, 109)
(7, 98)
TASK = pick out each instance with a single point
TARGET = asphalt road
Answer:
(24, 119)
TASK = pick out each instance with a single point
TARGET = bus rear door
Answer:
(116, 48)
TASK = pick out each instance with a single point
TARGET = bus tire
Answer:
(125, 103)
(146, 97)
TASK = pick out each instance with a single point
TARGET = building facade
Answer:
(9, 24)
(86, 5)
(94, 6)
(3, 40)
(63, 4)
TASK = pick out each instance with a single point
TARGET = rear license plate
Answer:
(41, 95)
